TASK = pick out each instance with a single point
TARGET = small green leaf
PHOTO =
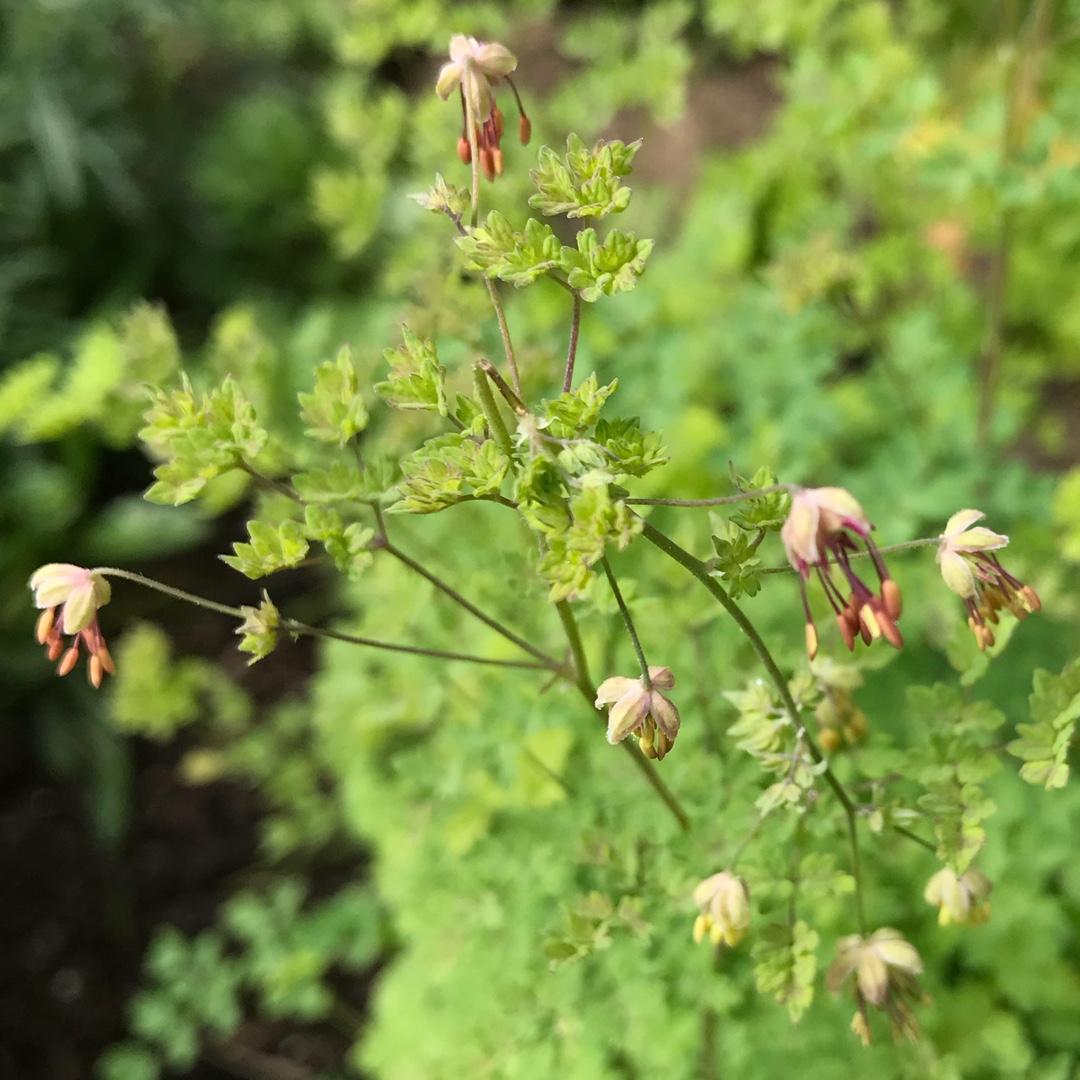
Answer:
(444, 198)
(335, 411)
(272, 548)
(596, 269)
(787, 965)
(198, 438)
(417, 380)
(572, 414)
(1044, 745)
(586, 183)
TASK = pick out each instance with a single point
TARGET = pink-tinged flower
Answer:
(963, 899)
(71, 596)
(972, 570)
(476, 67)
(635, 707)
(725, 909)
(885, 967)
(818, 532)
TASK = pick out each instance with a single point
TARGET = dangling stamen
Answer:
(524, 123)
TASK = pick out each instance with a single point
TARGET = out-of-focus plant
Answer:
(269, 945)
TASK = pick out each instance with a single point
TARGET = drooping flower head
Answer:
(885, 967)
(70, 597)
(725, 909)
(963, 899)
(824, 527)
(972, 570)
(636, 707)
(475, 68)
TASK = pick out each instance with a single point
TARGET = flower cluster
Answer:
(641, 708)
(963, 900)
(475, 68)
(818, 532)
(71, 596)
(885, 967)
(725, 909)
(972, 570)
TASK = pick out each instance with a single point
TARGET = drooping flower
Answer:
(725, 909)
(636, 707)
(475, 68)
(963, 900)
(885, 967)
(70, 597)
(972, 570)
(818, 532)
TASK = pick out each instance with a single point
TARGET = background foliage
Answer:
(874, 291)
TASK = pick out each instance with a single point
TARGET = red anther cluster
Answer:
(489, 137)
(69, 597)
(822, 531)
(48, 634)
(998, 591)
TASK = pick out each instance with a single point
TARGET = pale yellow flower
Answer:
(885, 968)
(725, 909)
(971, 570)
(963, 900)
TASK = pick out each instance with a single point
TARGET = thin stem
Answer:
(512, 399)
(302, 629)
(268, 481)
(571, 353)
(474, 157)
(545, 660)
(584, 684)
(856, 871)
(701, 572)
(741, 496)
(629, 622)
(491, 411)
(292, 626)
(928, 541)
(168, 590)
(744, 842)
(904, 831)
(504, 332)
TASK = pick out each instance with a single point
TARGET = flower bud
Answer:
(725, 909)
(962, 900)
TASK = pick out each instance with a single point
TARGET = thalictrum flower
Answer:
(963, 900)
(70, 597)
(818, 532)
(972, 570)
(636, 707)
(475, 68)
(725, 909)
(885, 967)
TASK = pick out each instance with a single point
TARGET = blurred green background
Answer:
(867, 216)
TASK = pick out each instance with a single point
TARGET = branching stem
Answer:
(701, 571)
(585, 686)
(299, 629)
(385, 544)
(722, 500)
